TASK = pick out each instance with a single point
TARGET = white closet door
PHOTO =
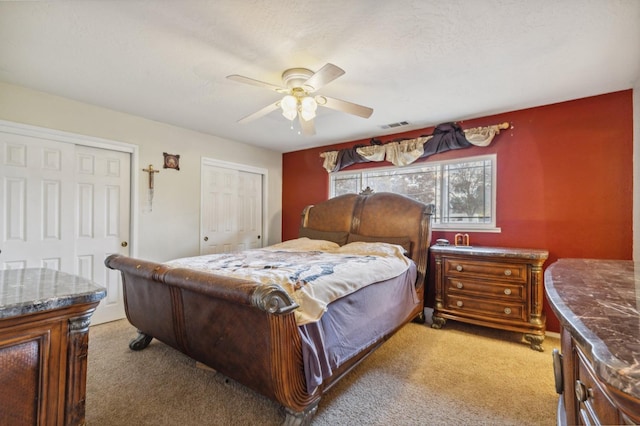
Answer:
(102, 225)
(231, 216)
(37, 203)
(65, 207)
(249, 210)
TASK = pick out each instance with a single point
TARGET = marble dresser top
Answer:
(507, 252)
(26, 291)
(598, 302)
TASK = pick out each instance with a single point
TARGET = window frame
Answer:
(454, 227)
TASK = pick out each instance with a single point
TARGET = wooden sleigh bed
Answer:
(247, 331)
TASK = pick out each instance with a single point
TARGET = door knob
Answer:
(206, 238)
(124, 244)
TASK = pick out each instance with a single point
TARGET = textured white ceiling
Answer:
(421, 61)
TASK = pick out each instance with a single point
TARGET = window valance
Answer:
(445, 137)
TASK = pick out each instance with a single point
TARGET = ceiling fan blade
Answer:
(307, 126)
(253, 82)
(261, 113)
(323, 76)
(344, 106)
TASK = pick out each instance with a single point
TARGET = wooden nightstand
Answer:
(44, 341)
(491, 286)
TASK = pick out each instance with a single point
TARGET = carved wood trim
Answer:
(288, 368)
(357, 213)
(78, 348)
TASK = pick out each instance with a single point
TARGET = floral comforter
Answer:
(313, 272)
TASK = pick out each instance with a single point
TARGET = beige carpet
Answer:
(460, 375)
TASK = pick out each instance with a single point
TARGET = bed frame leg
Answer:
(300, 418)
(140, 342)
(420, 318)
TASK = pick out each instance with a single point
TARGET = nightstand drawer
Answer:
(494, 270)
(502, 290)
(477, 306)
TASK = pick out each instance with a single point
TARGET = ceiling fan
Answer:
(299, 84)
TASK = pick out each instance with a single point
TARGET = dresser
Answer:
(491, 286)
(44, 324)
(597, 371)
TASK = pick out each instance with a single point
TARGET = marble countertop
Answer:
(507, 252)
(598, 302)
(30, 290)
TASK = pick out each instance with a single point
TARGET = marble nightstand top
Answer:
(507, 252)
(598, 302)
(30, 290)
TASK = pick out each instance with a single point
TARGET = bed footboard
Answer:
(242, 329)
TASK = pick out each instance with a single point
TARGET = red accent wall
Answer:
(565, 179)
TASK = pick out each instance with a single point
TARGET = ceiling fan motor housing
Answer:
(295, 77)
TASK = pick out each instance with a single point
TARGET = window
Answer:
(463, 190)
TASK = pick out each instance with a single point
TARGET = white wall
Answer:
(171, 229)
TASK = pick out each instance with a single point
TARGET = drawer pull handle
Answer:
(582, 393)
(507, 272)
(507, 291)
(459, 284)
(459, 304)
(459, 268)
(557, 371)
(507, 311)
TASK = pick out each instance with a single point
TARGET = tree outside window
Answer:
(463, 190)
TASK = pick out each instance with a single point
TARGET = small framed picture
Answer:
(171, 161)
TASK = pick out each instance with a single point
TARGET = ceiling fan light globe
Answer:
(307, 115)
(308, 108)
(309, 104)
(290, 114)
(289, 103)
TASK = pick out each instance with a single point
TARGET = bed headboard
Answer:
(382, 216)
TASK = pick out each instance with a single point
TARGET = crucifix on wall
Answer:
(151, 172)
